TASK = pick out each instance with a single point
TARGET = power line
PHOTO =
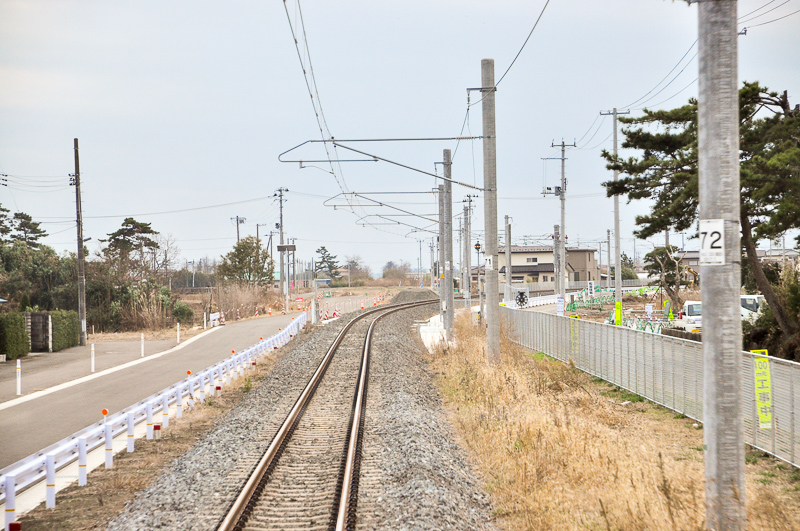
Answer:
(192, 209)
(524, 43)
(764, 13)
(773, 20)
(634, 102)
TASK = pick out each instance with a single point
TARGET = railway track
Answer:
(308, 476)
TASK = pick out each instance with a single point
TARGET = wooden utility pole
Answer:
(81, 258)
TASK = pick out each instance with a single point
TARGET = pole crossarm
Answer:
(375, 203)
(392, 222)
(376, 158)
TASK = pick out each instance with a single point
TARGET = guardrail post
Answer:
(149, 410)
(131, 433)
(50, 471)
(179, 400)
(11, 499)
(82, 472)
(109, 445)
(165, 411)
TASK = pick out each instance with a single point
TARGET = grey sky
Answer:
(183, 104)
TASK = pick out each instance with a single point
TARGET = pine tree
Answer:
(666, 173)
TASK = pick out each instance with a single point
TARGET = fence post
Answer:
(50, 471)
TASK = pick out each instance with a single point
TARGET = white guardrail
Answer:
(44, 463)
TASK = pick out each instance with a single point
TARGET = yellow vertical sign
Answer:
(617, 313)
(763, 387)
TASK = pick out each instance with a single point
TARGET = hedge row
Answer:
(14, 341)
(66, 329)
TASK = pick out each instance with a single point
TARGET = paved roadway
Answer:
(34, 424)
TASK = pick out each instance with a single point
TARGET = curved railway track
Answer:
(308, 476)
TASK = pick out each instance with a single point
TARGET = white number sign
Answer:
(712, 242)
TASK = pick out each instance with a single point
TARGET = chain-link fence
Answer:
(665, 370)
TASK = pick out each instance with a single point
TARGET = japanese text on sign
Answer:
(763, 389)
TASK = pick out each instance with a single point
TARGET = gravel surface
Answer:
(413, 474)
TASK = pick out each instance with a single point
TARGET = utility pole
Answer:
(468, 253)
(432, 272)
(557, 259)
(507, 292)
(490, 211)
(618, 268)
(561, 192)
(448, 245)
(81, 257)
(439, 270)
(608, 273)
(461, 255)
(719, 182)
(600, 265)
(238, 221)
(279, 194)
(260, 225)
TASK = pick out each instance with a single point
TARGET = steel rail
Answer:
(347, 498)
(241, 508)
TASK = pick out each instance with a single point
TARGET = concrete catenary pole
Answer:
(448, 245)
(562, 270)
(432, 260)
(440, 263)
(718, 170)
(490, 211)
(507, 294)
(467, 257)
(81, 257)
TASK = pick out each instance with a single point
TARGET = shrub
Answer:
(14, 341)
(182, 312)
(66, 329)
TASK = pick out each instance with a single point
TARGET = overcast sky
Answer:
(185, 104)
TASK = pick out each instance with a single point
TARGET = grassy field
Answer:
(558, 449)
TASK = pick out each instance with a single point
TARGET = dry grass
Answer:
(558, 450)
(109, 491)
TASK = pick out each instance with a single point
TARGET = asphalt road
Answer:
(40, 422)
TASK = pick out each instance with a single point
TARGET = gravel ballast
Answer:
(413, 475)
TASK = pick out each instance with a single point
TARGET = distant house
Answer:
(535, 264)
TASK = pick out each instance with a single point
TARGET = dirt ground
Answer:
(634, 306)
(559, 449)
